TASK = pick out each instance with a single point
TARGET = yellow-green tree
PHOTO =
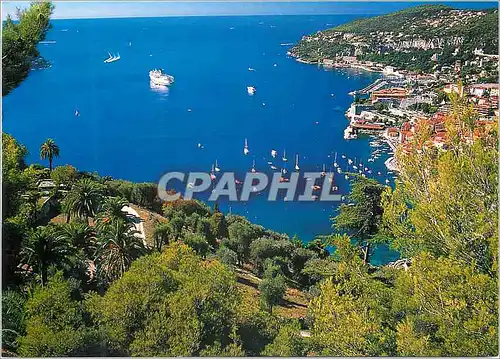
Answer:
(446, 200)
(170, 304)
(449, 309)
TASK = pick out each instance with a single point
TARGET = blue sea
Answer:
(130, 131)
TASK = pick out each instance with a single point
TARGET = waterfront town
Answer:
(397, 102)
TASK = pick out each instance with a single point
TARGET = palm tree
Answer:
(83, 200)
(117, 245)
(161, 235)
(80, 235)
(44, 248)
(111, 210)
(49, 150)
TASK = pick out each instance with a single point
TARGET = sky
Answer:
(95, 9)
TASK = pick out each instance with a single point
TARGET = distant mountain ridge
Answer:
(416, 38)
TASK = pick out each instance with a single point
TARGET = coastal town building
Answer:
(389, 94)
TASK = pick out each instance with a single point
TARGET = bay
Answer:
(128, 130)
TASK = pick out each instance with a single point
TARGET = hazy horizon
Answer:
(88, 10)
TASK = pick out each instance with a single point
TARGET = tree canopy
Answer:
(19, 40)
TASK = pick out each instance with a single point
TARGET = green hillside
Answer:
(408, 39)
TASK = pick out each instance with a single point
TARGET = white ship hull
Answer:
(158, 78)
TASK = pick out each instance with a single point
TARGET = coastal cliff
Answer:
(414, 39)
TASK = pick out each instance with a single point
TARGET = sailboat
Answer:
(297, 168)
(335, 164)
(323, 173)
(273, 153)
(253, 167)
(217, 169)
(112, 58)
(212, 174)
(349, 161)
(284, 156)
(245, 149)
(354, 165)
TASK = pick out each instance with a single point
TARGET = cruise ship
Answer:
(159, 78)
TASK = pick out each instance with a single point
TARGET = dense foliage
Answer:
(80, 280)
(19, 40)
(180, 294)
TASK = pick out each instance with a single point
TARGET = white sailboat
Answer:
(253, 167)
(245, 149)
(112, 58)
(335, 164)
(323, 173)
(284, 156)
(217, 169)
(297, 168)
(212, 174)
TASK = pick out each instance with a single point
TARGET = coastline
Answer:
(350, 133)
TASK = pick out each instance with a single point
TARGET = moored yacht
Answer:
(159, 78)
(245, 148)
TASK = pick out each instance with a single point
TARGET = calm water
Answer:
(127, 130)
